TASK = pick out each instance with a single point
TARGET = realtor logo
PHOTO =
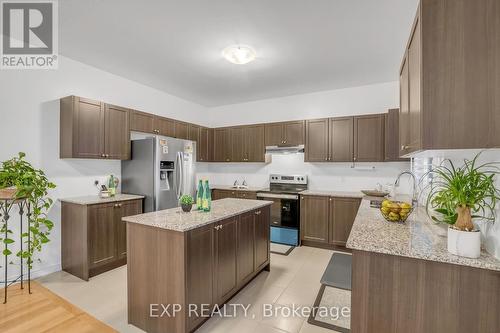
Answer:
(29, 35)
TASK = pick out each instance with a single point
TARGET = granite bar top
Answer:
(418, 238)
(95, 199)
(175, 219)
(338, 194)
(231, 188)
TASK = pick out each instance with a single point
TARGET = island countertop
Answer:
(418, 238)
(177, 220)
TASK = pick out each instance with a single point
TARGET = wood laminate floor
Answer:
(44, 311)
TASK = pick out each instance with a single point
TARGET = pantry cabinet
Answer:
(92, 129)
(448, 78)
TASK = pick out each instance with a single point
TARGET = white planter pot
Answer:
(464, 243)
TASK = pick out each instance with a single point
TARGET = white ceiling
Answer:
(302, 45)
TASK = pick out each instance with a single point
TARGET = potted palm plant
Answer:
(460, 194)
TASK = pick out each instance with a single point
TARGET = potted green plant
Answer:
(460, 194)
(20, 180)
(186, 203)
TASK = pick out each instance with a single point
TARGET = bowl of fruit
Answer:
(395, 211)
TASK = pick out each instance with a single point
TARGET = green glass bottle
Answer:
(199, 195)
(207, 198)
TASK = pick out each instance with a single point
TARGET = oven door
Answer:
(284, 210)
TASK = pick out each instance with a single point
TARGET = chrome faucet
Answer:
(414, 200)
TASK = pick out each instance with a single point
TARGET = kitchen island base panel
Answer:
(172, 267)
(399, 294)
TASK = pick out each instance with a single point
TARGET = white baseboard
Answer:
(37, 272)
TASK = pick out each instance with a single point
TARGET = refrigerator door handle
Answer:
(179, 175)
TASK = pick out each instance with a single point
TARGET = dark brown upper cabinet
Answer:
(247, 143)
(164, 126)
(392, 136)
(341, 142)
(290, 133)
(92, 129)
(193, 132)
(451, 104)
(369, 139)
(116, 132)
(181, 130)
(222, 145)
(205, 144)
(316, 149)
(141, 121)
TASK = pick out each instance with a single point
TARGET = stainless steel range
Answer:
(285, 212)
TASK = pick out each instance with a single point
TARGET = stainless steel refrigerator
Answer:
(162, 169)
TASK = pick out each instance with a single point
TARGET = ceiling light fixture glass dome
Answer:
(239, 54)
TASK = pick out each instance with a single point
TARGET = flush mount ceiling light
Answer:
(239, 54)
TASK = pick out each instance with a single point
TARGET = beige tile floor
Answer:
(293, 279)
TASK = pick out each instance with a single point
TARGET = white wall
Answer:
(376, 98)
(29, 122)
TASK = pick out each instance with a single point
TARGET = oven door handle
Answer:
(277, 196)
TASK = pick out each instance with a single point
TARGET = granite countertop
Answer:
(339, 194)
(95, 199)
(418, 238)
(175, 219)
(231, 188)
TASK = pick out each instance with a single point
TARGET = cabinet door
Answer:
(247, 195)
(123, 209)
(404, 115)
(343, 211)
(273, 134)
(194, 133)
(222, 194)
(238, 153)
(202, 145)
(414, 51)
(222, 145)
(246, 244)
(102, 242)
(181, 130)
(165, 126)
(314, 226)
(117, 133)
(369, 138)
(262, 230)
(316, 149)
(294, 133)
(392, 136)
(88, 128)
(254, 143)
(200, 264)
(225, 259)
(141, 121)
(341, 139)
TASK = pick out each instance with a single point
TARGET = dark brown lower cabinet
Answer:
(94, 238)
(343, 211)
(207, 265)
(239, 194)
(396, 294)
(314, 221)
(225, 257)
(327, 221)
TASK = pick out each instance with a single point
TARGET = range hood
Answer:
(284, 149)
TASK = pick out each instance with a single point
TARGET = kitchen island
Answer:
(191, 263)
(404, 279)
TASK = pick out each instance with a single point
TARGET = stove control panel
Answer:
(288, 179)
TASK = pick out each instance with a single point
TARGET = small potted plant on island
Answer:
(186, 203)
(459, 195)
